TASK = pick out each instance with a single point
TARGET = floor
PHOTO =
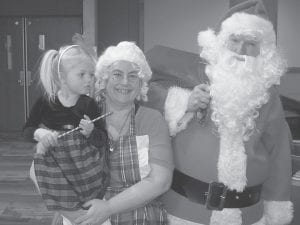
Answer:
(19, 202)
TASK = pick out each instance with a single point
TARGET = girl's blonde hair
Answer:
(124, 51)
(50, 68)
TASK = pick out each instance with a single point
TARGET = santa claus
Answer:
(232, 159)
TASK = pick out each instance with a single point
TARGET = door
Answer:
(44, 33)
(12, 77)
(23, 42)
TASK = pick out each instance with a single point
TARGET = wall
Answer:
(290, 85)
(117, 20)
(289, 30)
(288, 37)
(40, 7)
(89, 21)
(176, 23)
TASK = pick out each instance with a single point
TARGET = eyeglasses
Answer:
(119, 76)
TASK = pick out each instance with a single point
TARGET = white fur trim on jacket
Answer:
(277, 213)
(175, 109)
(232, 162)
(226, 216)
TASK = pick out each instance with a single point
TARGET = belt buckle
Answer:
(216, 195)
(67, 127)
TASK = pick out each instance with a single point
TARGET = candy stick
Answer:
(77, 128)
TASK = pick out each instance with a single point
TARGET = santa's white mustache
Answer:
(248, 63)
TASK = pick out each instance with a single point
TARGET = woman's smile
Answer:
(123, 91)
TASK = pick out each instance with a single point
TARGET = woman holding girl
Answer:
(140, 158)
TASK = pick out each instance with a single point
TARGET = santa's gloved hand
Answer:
(199, 98)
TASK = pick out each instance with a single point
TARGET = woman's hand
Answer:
(86, 126)
(40, 149)
(97, 213)
(46, 139)
(199, 98)
(49, 139)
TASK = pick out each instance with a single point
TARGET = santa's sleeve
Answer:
(278, 209)
(175, 106)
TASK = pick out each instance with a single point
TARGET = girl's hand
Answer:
(97, 213)
(86, 126)
(199, 98)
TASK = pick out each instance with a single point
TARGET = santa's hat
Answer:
(248, 18)
(252, 7)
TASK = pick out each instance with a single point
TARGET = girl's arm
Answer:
(34, 128)
(33, 120)
(98, 137)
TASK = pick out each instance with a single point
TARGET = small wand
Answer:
(77, 128)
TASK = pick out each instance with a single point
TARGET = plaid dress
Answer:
(123, 161)
(71, 173)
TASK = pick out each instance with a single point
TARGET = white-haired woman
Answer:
(140, 157)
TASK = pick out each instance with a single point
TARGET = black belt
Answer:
(67, 127)
(214, 195)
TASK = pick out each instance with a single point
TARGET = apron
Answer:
(124, 163)
(71, 173)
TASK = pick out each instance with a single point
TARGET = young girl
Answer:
(71, 169)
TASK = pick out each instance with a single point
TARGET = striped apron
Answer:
(71, 173)
(124, 168)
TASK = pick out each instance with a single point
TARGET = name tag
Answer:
(142, 143)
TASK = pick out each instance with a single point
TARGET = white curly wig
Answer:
(124, 51)
(244, 23)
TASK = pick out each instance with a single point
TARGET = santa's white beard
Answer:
(237, 91)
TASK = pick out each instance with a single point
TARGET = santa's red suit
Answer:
(257, 180)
